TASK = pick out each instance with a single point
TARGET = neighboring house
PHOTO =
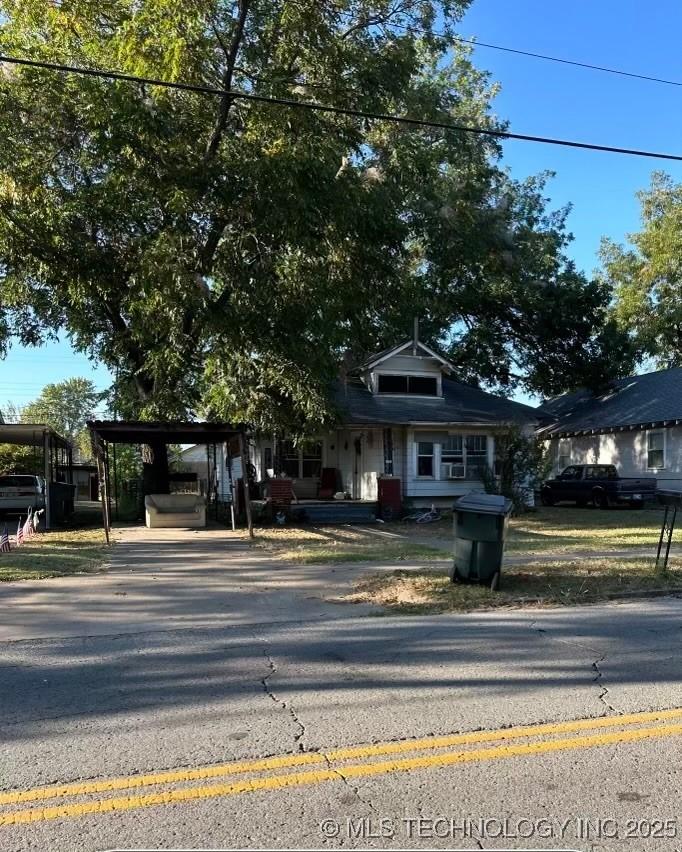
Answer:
(636, 425)
(200, 460)
(402, 414)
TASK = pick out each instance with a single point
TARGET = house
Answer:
(217, 468)
(636, 425)
(403, 415)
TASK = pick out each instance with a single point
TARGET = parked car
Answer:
(599, 484)
(18, 492)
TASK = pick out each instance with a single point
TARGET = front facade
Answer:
(636, 426)
(404, 417)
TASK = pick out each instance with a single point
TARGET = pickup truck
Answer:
(599, 484)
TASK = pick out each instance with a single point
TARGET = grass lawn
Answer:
(54, 554)
(341, 544)
(561, 529)
(567, 529)
(537, 584)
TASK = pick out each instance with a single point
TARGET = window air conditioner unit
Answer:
(453, 471)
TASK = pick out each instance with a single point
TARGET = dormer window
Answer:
(416, 385)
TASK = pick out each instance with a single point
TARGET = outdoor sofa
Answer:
(175, 510)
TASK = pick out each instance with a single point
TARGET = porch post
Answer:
(47, 474)
(245, 481)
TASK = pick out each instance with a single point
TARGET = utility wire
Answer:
(476, 43)
(335, 110)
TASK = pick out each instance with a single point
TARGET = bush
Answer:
(521, 464)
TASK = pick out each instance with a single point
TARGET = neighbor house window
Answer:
(419, 385)
(303, 461)
(425, 455)
(476, 456)
(655, 449)
(452, 458)
(563, 459)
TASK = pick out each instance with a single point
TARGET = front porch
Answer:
(316, 511)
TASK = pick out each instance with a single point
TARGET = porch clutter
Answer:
(175, 510)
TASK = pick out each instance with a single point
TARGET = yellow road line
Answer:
(318, 776)
(288, 761)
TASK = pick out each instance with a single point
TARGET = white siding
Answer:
(427, 487)
(626, 450)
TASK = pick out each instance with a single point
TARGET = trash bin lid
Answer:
(484, 504)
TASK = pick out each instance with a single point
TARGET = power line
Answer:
(335, 110)
(476, 43)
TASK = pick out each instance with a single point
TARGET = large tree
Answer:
(227, 253)
(646, 276)
(66, 407)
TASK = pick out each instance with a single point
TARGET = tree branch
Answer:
(231, 60)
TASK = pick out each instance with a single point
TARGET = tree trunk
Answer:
(155, 468)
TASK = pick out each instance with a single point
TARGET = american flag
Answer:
(20, 534)
(4, 541)
(28, 530)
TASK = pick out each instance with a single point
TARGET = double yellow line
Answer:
(333, 765)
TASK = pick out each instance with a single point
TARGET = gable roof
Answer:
(649, 400)
(460, 403)
(377, 359)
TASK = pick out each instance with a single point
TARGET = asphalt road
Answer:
(263, 716)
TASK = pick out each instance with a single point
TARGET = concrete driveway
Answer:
(194, 652)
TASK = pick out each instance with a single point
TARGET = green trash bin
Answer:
(480, 529)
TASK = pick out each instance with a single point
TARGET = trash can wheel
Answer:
(455, 576)
(495, 582)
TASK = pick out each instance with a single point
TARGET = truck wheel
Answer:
(637, 504)
(581, 503)
(546, 498)
(600, 499)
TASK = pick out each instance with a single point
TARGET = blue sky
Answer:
(539, 98)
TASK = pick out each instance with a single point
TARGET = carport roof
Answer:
(171, 432)
(29, 434)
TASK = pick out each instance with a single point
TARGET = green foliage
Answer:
(222, 256)
(66, 407)
(646, 276)
(522, 463)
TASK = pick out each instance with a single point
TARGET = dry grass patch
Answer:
(54, 554)
(548, 583)
(341, 544)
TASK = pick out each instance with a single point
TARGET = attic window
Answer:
(420, 385)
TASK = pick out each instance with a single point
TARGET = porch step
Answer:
(335, 513)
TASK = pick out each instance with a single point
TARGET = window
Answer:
(301, 462)
(425, 458)
(419, 385)
(311, 459)
(572, 472)
(290, 459)
(563, 458)
(477, 456)
(452, 458)
(655, 444)
(388, 452)
(393, 384)
(424, 385)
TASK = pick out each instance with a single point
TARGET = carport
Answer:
(52, 459)
(106, 433)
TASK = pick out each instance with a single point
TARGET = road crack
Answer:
(603, 689)
(298, 738)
